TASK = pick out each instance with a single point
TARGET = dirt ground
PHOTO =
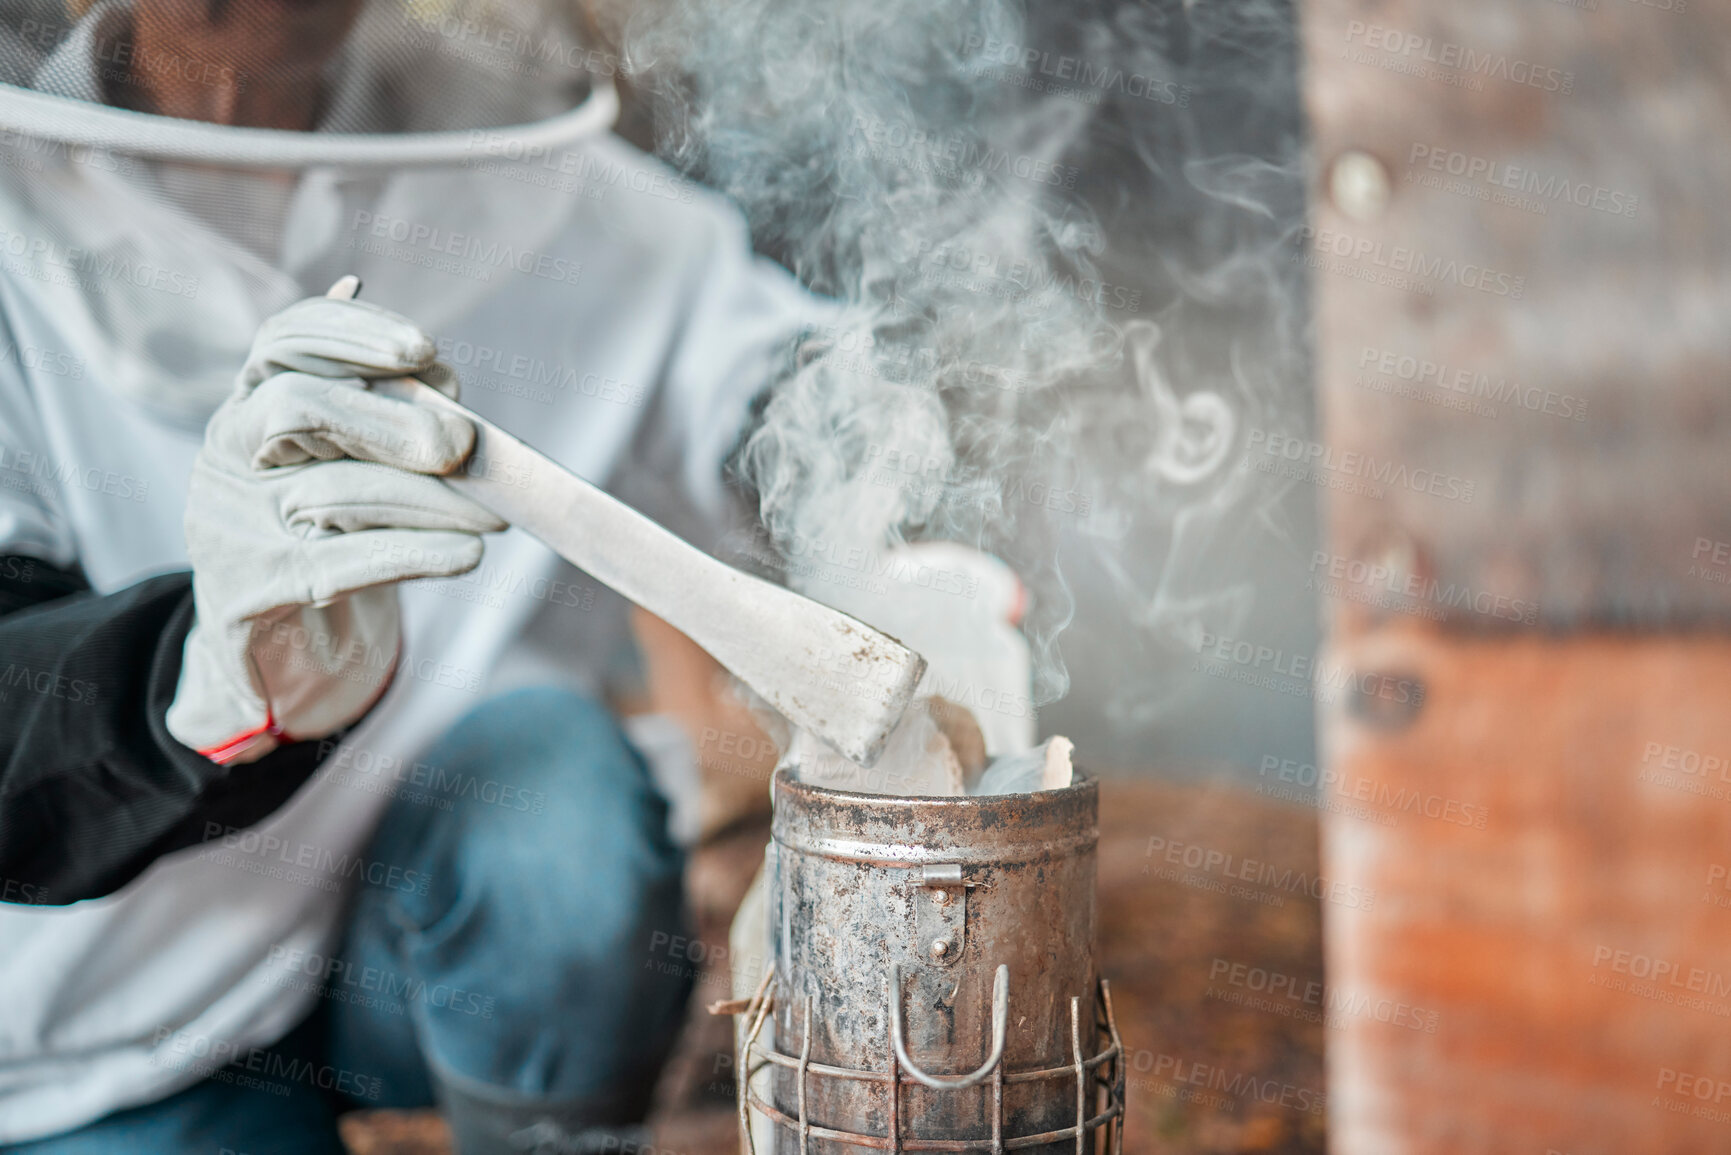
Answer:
(1205, 899)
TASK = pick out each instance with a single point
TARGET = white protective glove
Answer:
(310, 498)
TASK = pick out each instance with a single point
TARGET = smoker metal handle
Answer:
(1000, 1028)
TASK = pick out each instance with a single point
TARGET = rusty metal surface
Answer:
(1521, 261)
(1522, 347)
(1557, 924)
(851, 876)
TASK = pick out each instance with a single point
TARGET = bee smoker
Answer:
(933, 984)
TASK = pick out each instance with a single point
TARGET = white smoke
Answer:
(919, 162)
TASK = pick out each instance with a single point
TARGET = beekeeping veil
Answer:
(164, 236)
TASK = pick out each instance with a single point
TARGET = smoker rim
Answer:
(912, 830)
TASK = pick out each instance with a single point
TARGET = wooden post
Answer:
(1520, 249)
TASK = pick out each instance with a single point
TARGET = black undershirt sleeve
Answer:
(93, 788)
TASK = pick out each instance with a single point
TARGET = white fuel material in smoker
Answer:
(917, 759)
(920, 761)
(1046, 767)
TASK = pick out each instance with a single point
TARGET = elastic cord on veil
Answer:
(79, 123)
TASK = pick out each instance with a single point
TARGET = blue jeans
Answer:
(527, 972)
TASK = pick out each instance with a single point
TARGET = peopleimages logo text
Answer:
(1459, 57)
(1518, 178)
(1414, 262)
(45, 260)
(1076, 70)
(469, 247)
(1471, 383)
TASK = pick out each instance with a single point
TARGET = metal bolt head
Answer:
(1386, 700)
(1396, 556)
(940, 948)
(941, 897)
(1358, 184)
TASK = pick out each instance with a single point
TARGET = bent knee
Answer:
(543, 743)
(548, 791)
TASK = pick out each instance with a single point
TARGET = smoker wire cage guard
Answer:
(917, 935)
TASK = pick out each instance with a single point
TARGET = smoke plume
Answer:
(1002, 367)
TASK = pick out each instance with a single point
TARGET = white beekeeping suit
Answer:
(589, 299)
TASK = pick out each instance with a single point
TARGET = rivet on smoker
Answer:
(940, 948)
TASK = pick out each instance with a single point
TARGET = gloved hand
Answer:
(310, 498)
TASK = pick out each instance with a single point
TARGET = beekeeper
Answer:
(306, 805)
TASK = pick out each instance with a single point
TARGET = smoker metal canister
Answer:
(940, 893)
